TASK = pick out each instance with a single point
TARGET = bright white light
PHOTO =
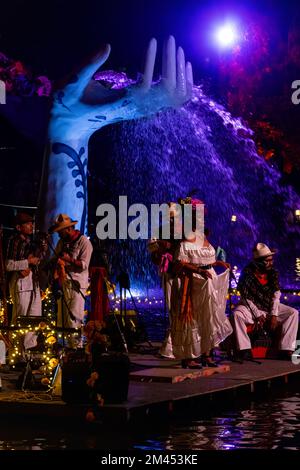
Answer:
(226, 35)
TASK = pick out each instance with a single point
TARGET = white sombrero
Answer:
(262, 251)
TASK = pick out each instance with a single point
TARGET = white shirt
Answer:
(80, 250)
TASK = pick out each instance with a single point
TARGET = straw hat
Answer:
(262, 251)
(62, 221)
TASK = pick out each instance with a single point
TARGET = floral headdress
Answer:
(189, 200)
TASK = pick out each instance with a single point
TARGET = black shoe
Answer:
(190, 364)
(285, 355)
(246, 355)
(207, 361)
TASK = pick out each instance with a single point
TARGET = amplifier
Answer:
(113, 382)
(73, 382)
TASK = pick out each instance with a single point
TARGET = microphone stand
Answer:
(116, 321)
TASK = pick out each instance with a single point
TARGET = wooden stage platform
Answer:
(157, 387)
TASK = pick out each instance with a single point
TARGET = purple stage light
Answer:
(226, 35)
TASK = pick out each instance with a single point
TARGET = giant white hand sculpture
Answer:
(84, 106)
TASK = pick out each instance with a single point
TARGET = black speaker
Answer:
(113, 382)
(73, 383)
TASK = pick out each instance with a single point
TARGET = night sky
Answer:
(55, 37)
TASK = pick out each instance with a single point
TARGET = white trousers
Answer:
(288, 317)
(25, 296)
(166, 349)
(73, 302)
(26, 303)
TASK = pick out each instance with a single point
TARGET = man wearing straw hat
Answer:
(73, 252)
(21, 263)
(260, 301)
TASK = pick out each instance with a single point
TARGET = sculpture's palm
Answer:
(85, 106)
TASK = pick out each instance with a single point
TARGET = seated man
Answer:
(260, 300)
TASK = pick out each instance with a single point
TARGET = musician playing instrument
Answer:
(73, 252)
(21, 263)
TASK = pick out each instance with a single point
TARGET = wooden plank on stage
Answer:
(151, 397)
(175, 375)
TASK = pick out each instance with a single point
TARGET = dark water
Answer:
(270, 424)
(270, 421)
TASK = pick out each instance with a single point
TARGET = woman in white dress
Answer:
(198, 302)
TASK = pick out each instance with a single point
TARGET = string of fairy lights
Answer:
(48, 353)
(45, 333)
(47, 336)
(1, 314)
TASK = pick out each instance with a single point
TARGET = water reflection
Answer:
(269, 425)
(272, 424)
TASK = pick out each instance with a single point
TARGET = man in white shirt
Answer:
(260, 303)
(73, 251)
(22, 267)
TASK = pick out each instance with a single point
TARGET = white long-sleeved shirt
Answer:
(80, 250)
